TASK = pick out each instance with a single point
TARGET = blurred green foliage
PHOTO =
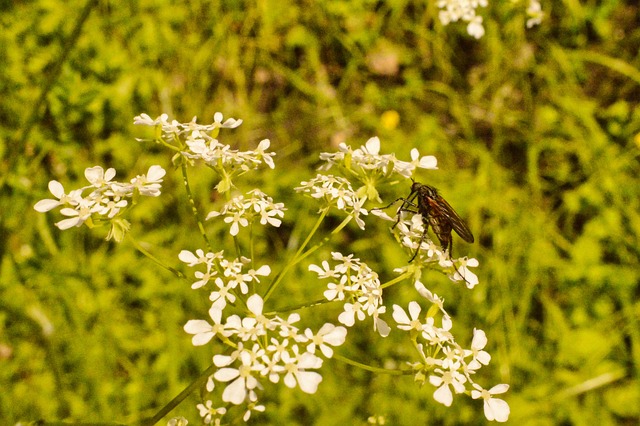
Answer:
(537, 133)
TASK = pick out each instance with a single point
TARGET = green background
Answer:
(537, 136)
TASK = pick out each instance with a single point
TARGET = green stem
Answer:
(311, 234)
(369, 367)
(194, 209)
(144, 251)
(324, 240)
(396, 279)
(295, 260)
(300, 306)
(251, 247)
(199, 381)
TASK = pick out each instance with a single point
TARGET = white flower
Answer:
(242, 379)
(426, 162)
(202, 144)
(240, 211)
(222, 295)
(356, 279)
(463, 273)
(231, 123)
(107, 199)
(404, 322)
(351, 310)
(149, 184)
(203, 331)
(287, 329)
(367, 165)
(337, 192)
(449, 377)
(436, 300)
(191, 259)
(535, 13)
(264, 271)
(276, 349)
(265, 156)
(494, 408)
(208, 412)
(56, 188)
(328, 334)
(98, 177)
(145, 120)
(480, 357)
(406, 169)
(296, 367)
(337, 290)
(254, 326)
(272, 367)
(382, 215)
(252, 407)
(475, 28)
(465, 10)
(76, 216)
(199, 257)
(453, 357)
(324, 272)
(109, 207)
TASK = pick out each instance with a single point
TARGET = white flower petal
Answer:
(399, 315)
(309, 381)
(479, 339)
(235, 392)
(443, 395)
(56, 188)
(197, 326)
(187, 257)
(43, 206)
(255, 304)
(496, 409)
(414, 309)
(226, 374)
(373, 145)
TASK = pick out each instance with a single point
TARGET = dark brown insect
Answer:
(435, 212)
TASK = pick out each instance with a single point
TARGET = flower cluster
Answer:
(455, 10)
(204, 147)
(335, 191)
(446, 364)
(535, 13)
(266, 346)
(106, 199)
(466, 11)
(175, 129)
(356, 283)
(412, 235)
(241, 211)
(254, 347)
(198, 142)
(227, 275)
(367, 166)
(366, 162)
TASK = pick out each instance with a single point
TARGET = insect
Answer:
(437, 213)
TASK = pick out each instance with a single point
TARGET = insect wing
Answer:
(455, 221)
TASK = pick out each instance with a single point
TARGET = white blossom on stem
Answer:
(494, 408)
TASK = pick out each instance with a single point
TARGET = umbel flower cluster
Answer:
(106, 201)
(256, 348)
(466, 11)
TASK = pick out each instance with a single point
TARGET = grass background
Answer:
(537, 133)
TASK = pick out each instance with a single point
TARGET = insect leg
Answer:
(419, 246)
(405, 202)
